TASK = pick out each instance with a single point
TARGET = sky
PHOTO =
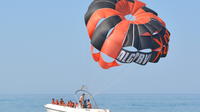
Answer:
(44, 48)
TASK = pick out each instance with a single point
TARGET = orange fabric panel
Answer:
(166, 37)
(139, 11)
(125, 7)
(107, 65)
(137, 6)
(131, 7)
(95, 56)
(113, 44)
(98, 15)
(122, 7)
(98, 58)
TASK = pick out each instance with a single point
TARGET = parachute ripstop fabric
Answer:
(111, 33)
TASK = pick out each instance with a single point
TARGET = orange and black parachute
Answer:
(112, 33)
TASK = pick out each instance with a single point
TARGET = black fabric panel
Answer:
(131, 1)
(126, 52)
(156, 24)
(150, 28)
(129, 37)
(97, 1)
(149, 10)
(143, 43)
(146, 43)
(136, 37)
(95, 6)
(130, 57)
(102, 30)
(111, 1)
(142, 29)
(161, 34)
(153, 57)
(164, 48)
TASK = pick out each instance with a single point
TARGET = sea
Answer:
(114, 102)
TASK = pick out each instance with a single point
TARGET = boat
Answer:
(59, 108)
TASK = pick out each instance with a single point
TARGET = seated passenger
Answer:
(65, 104)
(53, 101)
(70, 103)
(73, 105)
(89, 105)
(61, 102)
(80, 104)
(57, 102)
(76, 105)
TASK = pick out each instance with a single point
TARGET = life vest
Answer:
(53, 102)
(76, 105)
(57, 103)
(89, 105)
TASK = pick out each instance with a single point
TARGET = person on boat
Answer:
(53, 101)
(57, 102)
(76, 105)
(80, 104)
(70, 103)
(73, 105)
(61, 102)
(82, 97)
(89, 105)
(67, 103)
(85, 104)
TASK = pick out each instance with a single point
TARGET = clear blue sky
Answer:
(44, 48)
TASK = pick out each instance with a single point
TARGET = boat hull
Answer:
(57, 108)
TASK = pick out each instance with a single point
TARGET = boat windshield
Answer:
(87, 96)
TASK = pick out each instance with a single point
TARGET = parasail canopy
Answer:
(115, 26)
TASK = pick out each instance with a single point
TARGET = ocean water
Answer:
(114, 102)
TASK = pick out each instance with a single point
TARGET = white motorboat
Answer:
(59, 108)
